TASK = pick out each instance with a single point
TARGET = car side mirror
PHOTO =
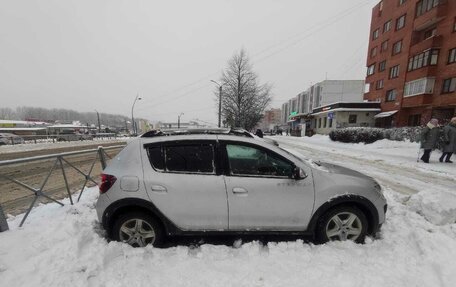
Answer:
(298, 173)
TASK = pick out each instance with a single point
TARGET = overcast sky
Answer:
(89, 54)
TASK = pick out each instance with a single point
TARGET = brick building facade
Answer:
(411, 62)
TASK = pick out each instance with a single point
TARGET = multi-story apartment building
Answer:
(271, 120)
(411, 62)
(322, 94)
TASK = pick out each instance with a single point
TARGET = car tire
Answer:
(342, 223)
(138, 230)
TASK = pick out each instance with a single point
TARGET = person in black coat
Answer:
(449, 135)
(429, 138)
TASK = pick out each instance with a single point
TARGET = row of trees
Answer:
(244, 99)
(62, 115)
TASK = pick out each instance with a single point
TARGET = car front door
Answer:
(261, 193)
(182, 181)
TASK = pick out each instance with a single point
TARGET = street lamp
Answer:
(135, 131)
(220, 102)
(99, 126)
(179, 120)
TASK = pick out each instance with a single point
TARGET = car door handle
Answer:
(158, 188)
(239, 190)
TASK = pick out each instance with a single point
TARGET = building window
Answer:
(330, 122)
(352, 119)
(387, 26)
(397, 47)
(425, 5)
(401, 2)
(324, 122)
(419, 87)
(371, 69)
(414, 120)
(454, 25)
(382, 66)
(452, 56)
(384, 46)
(394, 72)
(390, 96)
(429, 57)
(375, 34)
(379, 84)
(373, 52)
(449, 85)
(400, 22)
(319, 123)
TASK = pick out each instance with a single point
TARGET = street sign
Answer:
(330, 116)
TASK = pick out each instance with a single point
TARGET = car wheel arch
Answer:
(135, 205)
(360, 202)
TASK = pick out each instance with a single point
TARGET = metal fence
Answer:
(21, 139)
(60, 162)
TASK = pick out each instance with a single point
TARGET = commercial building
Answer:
(411, 62)
(344, 115)
(297, 111)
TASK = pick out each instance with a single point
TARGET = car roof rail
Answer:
(207, 131)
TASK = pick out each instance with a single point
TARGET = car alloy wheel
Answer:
(344, 226)
(137, 233)
(138, 229)
(343, 223)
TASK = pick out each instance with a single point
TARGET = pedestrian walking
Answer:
(449, 140)
(429, 138)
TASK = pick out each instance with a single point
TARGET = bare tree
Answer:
(244, 99)
(7, 114)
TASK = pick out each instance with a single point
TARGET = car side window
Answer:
(191, 157)
(156, 157)
(251, 161)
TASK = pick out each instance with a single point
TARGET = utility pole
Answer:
(133, 124)
(178, 120)
(220, 103)
(99, 125)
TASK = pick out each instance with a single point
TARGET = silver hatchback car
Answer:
(217, 182)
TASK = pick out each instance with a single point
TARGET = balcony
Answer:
(431, 17)
(416, 101)
(418, 46)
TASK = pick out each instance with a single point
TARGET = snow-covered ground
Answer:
(64, 246)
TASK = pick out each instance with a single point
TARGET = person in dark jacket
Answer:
(259, 133)
(429, 138)
(449, 138)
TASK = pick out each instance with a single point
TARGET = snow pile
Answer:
(64, 246)
(439, 207)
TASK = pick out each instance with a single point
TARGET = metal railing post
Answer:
(3, 222)
(102, 157)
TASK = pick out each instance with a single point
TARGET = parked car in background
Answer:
(8, 138)
(200, 182)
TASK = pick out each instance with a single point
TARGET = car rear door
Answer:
(261, 193)
(183, 182)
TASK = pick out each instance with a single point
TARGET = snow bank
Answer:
(64, 246)
(439, 207)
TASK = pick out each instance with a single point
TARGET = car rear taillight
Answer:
(107, 181)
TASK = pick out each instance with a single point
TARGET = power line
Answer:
(318, 27)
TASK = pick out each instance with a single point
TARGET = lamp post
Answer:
(179, 120)
(220, 102)
(99, 126)
(133, 123)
